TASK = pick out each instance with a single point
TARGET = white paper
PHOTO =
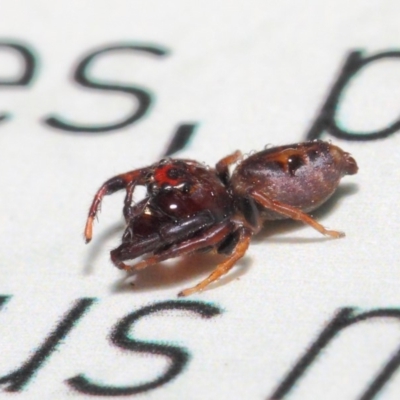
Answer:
(248, 74)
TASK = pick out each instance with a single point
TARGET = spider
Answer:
(190, 207)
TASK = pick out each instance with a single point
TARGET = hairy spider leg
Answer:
(111, 186)
(130, 188)
(222, 268)
(292, 212)
(130, 211)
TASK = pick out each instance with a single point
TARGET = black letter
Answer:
(3, 300)
(326, 119)
(343, 319)
(121, 336)
(180, 139)
(18, 379)
(82, 77)
(26, 77)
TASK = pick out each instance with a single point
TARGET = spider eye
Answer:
(175, 173)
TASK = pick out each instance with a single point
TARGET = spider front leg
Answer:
(111, 186)
(132, 210)
(292, 212)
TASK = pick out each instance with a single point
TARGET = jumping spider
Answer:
(190, 207)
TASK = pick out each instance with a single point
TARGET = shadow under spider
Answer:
(178, 273)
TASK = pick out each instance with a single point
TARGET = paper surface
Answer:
(245, 75)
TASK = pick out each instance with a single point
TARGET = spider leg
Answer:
(209, 238)
(225, 266)
(112, 185)
(130, 211)
(292, 212)
(222, 167)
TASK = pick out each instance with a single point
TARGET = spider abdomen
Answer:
(301, 175)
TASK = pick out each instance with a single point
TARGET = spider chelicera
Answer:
(190, 207)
